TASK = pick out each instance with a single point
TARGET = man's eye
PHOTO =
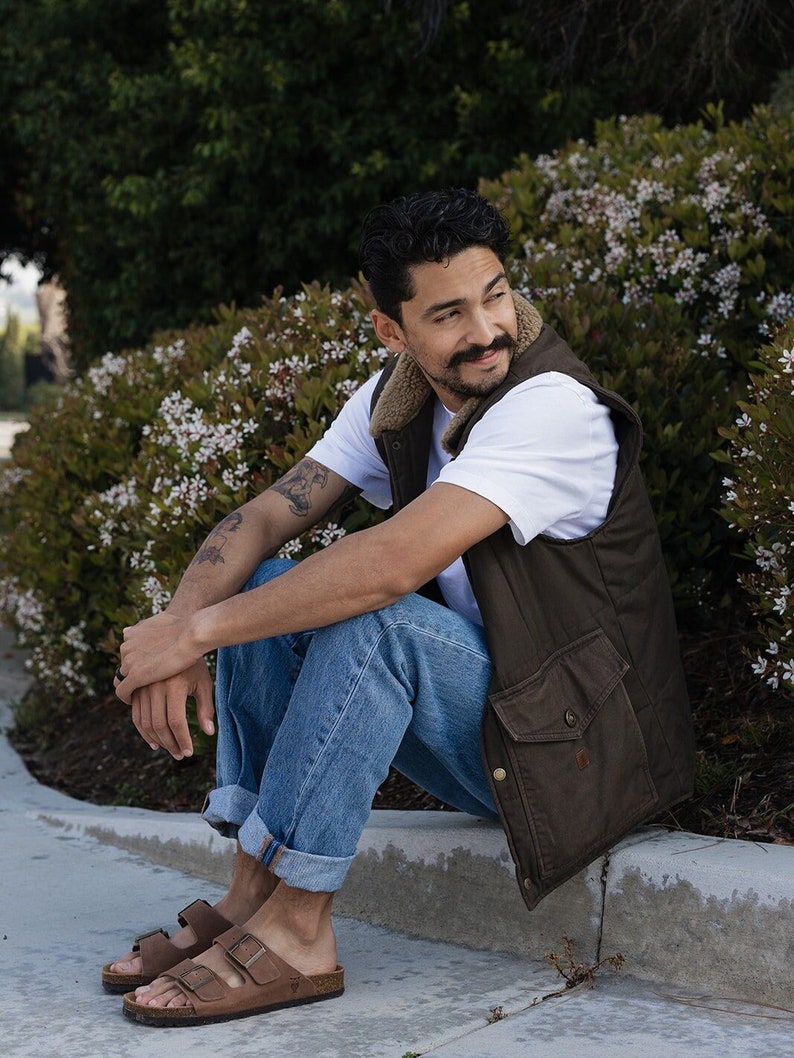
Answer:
(447, 316)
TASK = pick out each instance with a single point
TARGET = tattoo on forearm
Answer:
(210, 550)
(297, 485)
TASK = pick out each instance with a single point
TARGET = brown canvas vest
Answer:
(587, 729)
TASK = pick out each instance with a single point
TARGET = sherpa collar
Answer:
(407, 390)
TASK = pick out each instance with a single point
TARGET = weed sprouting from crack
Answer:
(574, 972)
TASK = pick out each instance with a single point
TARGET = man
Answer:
(516, 598)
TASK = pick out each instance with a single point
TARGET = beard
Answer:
(450, 378)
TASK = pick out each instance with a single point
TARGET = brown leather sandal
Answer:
(269, 984)
(159, 953)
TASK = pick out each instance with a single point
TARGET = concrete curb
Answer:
(681, 908)
(684, 909)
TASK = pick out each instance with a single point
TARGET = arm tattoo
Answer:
(210, 551)
(297, 485)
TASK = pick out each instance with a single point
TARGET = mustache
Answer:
(474, 352)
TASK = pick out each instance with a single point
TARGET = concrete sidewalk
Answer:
(705, 927)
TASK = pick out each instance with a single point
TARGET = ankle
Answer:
(251, 885)
(304, 915)
(239, 907)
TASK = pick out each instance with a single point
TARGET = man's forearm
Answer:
(256, 531)
(224, 562)
(362, 572)
(349, 578)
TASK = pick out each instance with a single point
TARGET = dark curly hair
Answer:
(424, 226)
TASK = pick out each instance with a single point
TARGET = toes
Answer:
(160, 994)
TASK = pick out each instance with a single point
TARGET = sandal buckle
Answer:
(243, 943)
(195, 977)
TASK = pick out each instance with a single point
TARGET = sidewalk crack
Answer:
(602, 916)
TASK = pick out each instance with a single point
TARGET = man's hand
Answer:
(159, 710)
(153, 650)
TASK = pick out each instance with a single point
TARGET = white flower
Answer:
(782, 600)
(102, 375)
(759, 668)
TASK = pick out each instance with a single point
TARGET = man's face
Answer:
(460, 326)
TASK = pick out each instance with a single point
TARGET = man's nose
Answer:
(482, 330)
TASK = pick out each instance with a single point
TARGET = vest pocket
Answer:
(577, 759)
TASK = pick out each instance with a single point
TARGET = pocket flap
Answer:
(559, 700)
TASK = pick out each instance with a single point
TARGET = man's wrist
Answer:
(198, 628)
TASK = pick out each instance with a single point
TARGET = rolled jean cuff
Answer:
(302, 870)
(228, 808)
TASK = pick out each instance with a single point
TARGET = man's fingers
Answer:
(158, 721)
(142, 715)
(205, 708)
(122, 693)
(176, 718)
(159, 710)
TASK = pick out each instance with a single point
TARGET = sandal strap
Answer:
(253, 959)
(136, 944)
(256, 964)
(157, 950)
(204, 920)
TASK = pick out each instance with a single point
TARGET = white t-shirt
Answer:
(545, 454)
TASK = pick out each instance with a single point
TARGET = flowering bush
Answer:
(759, 500)
(661, 254)
(123, 479)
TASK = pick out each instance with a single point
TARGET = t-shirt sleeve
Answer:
(545, 454)
(348, 449)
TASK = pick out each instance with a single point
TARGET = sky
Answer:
(19, 296)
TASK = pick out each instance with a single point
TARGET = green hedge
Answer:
(112, 489)
(663, 255)
(759, 500)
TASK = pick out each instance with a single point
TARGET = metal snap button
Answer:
(499, 774)
(570, 718)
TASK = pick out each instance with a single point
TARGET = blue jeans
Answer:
(308, 725)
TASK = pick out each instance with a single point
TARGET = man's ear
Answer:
(388, 331)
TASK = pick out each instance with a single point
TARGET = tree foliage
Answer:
(173, 156)
(672, 56)
(164, 157)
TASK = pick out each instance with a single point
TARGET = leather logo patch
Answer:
(582, 759)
